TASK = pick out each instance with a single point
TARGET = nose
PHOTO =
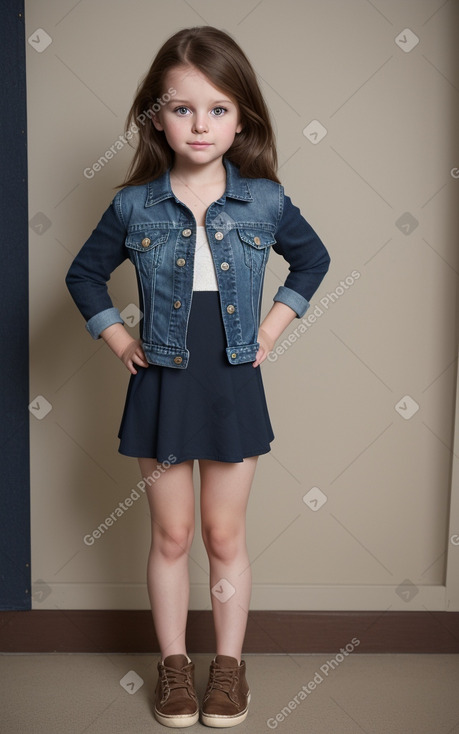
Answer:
(200, 123)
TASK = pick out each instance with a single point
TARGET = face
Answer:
(200, 121)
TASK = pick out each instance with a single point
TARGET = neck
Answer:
(208, 175)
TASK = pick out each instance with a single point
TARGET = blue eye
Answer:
(181, 111)
(219, 111)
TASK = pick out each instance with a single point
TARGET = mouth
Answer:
(199, 144)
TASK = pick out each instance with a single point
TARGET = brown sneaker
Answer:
(176, 704)
(227, 697)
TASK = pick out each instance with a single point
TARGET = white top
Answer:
(204, 278)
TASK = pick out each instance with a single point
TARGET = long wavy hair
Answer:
(225, 65)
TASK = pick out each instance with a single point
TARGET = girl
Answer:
(199, 212)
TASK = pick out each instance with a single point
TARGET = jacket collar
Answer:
(236, 186)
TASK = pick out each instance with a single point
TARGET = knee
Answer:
(172, 543)
(223, 543)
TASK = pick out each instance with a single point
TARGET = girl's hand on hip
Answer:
(266, 346)
(277, 319)
(126, 348)
(132, 355)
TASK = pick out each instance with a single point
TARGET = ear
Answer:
(156, 121)
(239, 128)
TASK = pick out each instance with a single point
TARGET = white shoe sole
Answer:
(222, 722)
(177, 722)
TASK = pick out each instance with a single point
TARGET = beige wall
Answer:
(381, 540)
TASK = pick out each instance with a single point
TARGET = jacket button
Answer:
(186, 233)
(230, 308)
(257, 240)
(224, 266)
(178, 360)
(219, 235)
(181, 262)
(234, 355)
(146, 242)
(177, 304)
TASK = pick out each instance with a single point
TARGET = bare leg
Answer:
(171, 500)
(225, 492)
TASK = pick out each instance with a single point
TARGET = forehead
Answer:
(189, 81)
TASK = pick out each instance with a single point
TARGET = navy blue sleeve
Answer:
(90, 271)
(306, 255)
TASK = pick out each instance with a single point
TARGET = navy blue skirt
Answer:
(210, 410)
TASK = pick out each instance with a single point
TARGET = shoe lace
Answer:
(222, 679)
(172, 679)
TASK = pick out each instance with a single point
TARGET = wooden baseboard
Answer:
(278, 632)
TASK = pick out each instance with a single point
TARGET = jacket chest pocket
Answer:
(255, 245)
(146, 248)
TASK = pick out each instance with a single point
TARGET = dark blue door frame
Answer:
(14, 317)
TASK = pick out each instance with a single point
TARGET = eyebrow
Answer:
(173, 100)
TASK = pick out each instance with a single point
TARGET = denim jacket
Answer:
(151, 227)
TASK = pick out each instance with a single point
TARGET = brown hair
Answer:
(219, 57)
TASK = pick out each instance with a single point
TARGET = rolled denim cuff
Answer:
(102, 320)
(293, 299)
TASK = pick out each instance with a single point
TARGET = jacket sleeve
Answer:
(90, 271)
(306, 255)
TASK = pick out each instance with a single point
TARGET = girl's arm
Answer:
(308, 262)
(126, 348)
(278, 318)
(91, 269)
(306, 255)
(87, 282)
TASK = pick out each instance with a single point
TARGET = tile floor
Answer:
(373, 694)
